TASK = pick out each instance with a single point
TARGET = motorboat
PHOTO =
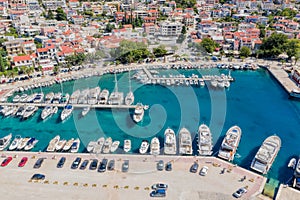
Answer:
(49, 97)
(4, 142)
(185, 142)
(68, 144)
(38, 98)
(129, 99)
(103, 97)
(144, 147)
(85, 111)
(30, 144)
(114, 146)
(116, 97)
(60, 145)
(155, 146)
(205, 143)
(53, 143)
(47, 111)
(15, 143)
(127, 145)
(230, 143)
(266, 154)
(90, 146)
(64, 98)
(20, 112)
(29, 111)
(74, 97)
(10, 111)
(93, 95)
(31, 97)
(23, 143)
(56, 98)
(138, 113)
(23, 98)
(16, 99)
(292, 163)
(67, 111)
(107, 145)
(170, 142)
(75, 146)
(297, 169)
(54, 110)
(82, 99)
(99, 146)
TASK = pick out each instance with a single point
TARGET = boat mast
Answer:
(116, 83)
(129, 81)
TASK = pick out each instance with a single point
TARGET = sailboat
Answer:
(116, 97)
(129, 99)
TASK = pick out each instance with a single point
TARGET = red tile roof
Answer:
(21, 58)
(39, 50)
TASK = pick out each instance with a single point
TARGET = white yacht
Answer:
(114, 146)
(49, 97)
(127, 145)
(230, 143)
(16, 99)
(185, 142)
(4, 142)
(68, 144)
(214, 83)
(85, 111)
(155, 146)
(23, 143)
(64, 98)
(23, 98)
(54, 110)
(138, 113)
(75, 146)
(60, 145)
(30, 98)
(82, 99)
(74, 97)
(67, 111)
(170, 142)
(103, 97)
(57, 97)
(107, 145)
(29, 111)
(144, 147)
(266, 154)
(116, 97)
(20, 112)
(30, 144)
(47, 111)
(129, 99)
(205, 143)
(15, 143)
(10, 111)
(53, 143)
(38, 98)
(90, 147)
(93, 95)
(98, 147)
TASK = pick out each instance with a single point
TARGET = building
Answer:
(296, 75)
(54, 4)
(149, 28)
(22, 61)
(170, 28)
(13, 47)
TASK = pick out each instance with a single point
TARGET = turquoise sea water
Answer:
(255, 102)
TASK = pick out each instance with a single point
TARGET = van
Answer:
(158, 193)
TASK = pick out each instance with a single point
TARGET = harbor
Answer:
(76, 183)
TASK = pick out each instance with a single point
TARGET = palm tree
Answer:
(29, 71)
(56, 69)
(40, 69)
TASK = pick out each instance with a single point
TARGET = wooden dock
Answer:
(96, 106)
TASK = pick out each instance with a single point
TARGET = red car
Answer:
(6, 161)
(23, 162)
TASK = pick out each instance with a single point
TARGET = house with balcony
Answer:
(29, 47)
(22, 61)
(13, 47)
(149, 28)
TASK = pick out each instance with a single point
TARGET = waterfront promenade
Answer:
(287, 193)
(66, 183)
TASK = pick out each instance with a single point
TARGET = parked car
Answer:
(194, 167)
(84, 164)
(125, 166)
(6, 161)
(94, 164)
(158, 186)
(158, 193)
(76, 163)
(160, 165)
(23, 162)
(169, 166)
(203, 171)
(102, 166)
(111, 165)
(240, 192)
(38, 163)
(38, 177)
(61, 162)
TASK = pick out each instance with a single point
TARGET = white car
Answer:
(240, 192)
(203, 171)
(159, 186)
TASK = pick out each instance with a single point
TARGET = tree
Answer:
(160, 51)
(180, 39)
(273, 45)
(109, 27)
(50, 15)
(29, 71)
(183, 30)
(292, 47)
(60, 14)
(56, 69)
(245, 52)
(209, 45)
(185, 3)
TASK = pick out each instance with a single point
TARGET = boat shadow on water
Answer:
(246, 161)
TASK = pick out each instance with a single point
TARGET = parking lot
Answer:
(67, 183)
